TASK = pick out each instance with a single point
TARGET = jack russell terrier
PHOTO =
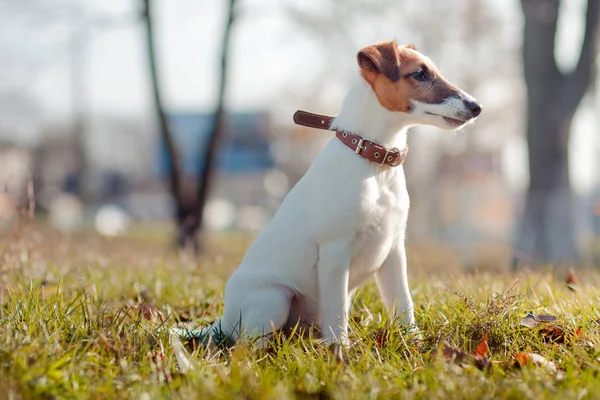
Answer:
(345, 220)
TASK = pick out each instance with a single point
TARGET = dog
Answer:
(345, 220)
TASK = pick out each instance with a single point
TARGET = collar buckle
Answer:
(359, 146)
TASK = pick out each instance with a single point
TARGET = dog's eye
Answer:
(420, 75)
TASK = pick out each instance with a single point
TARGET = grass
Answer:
(77, 320)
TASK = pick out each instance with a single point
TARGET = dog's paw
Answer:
(413, 335)
(336, 352)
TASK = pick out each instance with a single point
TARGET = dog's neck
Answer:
(362, 114)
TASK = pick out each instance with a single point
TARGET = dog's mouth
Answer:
(451, 121)
(454, 121)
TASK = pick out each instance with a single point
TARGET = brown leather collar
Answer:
(365, 148)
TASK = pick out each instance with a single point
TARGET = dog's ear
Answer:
(381, 57)
(411, 46)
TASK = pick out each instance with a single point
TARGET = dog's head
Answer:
(404, 80)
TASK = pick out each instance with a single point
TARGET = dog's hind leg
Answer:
(257, 313)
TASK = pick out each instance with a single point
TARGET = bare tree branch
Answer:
(583, 75)
(165, 130)
(207, 162)
(538, 46)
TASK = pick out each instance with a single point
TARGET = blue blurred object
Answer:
(243, 147)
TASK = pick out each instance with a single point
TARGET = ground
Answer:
(83, 317)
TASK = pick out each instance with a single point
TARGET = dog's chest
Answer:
(383, 214)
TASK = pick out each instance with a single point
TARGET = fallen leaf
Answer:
(482, 349)
(184, 316)
(558, 334)
(523, 359)
(532, 320)
(454, 354)
(571, 280)
(546, 318)
(381, 338)
(553, 334)
(482, 362)
(149, 312)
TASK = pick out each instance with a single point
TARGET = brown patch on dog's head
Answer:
(399, 75)
(381, 58)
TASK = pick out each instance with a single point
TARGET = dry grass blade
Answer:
(183, 362)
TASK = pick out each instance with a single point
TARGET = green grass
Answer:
(71, 327)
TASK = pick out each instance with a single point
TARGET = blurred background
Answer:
(177, 114)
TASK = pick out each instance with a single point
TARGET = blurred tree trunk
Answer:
(547, 232)
(189, 206)
(207, 162)
(182, 209)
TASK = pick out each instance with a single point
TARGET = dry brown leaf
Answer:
(553, 334)
(571, 280)
(483, 349)
(482, 362)
(149, 311)
(457, 356)
(558, 334)
(523, 359)
(184, 316)
(454, 354)
(381, 338)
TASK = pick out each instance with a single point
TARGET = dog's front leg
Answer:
(393, 286)
(333, 270)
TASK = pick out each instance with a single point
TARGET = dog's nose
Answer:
(473, 107)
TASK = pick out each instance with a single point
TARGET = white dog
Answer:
(345, 220)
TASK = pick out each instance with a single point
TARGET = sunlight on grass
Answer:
(85, 317)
